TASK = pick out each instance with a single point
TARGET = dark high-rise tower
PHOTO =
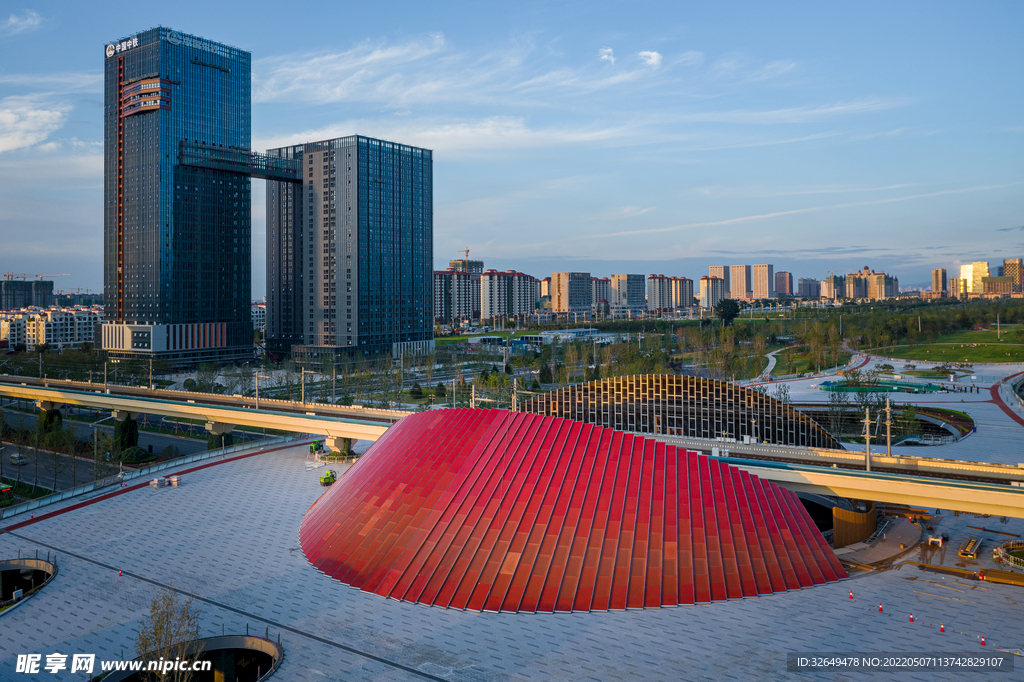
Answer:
(350, 251)
(177, 227)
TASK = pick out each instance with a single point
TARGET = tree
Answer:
(170, 632)
(440, 391)
(545, 374)
(727, 310)
(416, 392)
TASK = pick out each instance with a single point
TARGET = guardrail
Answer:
(101, 483)
(1002, 553)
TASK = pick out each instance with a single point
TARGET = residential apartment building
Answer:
(740, 279)
(475, 267)
(722, 272)
(629, 295)
(957, 288)
(784, 284)
(59, 328)
(1014, 269)
(17, 294)
(545, 287)
(259, 317)
(762, 281)
(600, 295)
(659, 293)
(570, 292)
(507, 294)
(870, 285)
(682, 293)
(454, 296)
(940, 283)
(712, 291)
(808, 287)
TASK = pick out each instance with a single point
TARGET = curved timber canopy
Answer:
(666, 404)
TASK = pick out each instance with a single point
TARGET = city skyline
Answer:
(729, 138)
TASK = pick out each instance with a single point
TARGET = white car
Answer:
(18, 459)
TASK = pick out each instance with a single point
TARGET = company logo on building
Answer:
(123, 46)
(175, 38)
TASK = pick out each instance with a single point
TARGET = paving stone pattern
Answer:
(228, 534)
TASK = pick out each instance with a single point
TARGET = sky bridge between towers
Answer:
(243, 161)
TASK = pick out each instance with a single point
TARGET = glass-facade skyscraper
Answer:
(177, 234)
(350, 250)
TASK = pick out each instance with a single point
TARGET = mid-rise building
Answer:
(475, 267)
(570, 293)
(629, 295)
(712, 291)
(58, 328)
(808, 287)
(454, 293)
(940, 283)
(957, 288)
(364, 260)
(545, 287)
(740, 279)
(1014, 269)
(784, 284)
(17, 294)
(600, 295)
(682, 293)
(762, 281)
(997, 285)
(833, 287)
(659, 293)
(507, 294)
(870, 285)
(973, 274)
(177, 206)
(722, 272)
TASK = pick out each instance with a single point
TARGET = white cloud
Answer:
(29, 20)
(651, 59)
(605, 54)
(621, 212)
(28, 120)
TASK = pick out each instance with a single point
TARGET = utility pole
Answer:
(472, 396)
(104, 375)
(867, 439)
(151, 373)
(515, 400)
(888, 428)
(258, 377)
(334, 381)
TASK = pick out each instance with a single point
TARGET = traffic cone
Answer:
(879, 607)
(983, 640)
(942, 627)
(851, 594)
(118, 573)
(911, 618)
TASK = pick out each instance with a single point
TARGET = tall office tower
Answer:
(712, 291)
(762, 281)
(940, 283)
(570, 292)
(659, 293)
(682, 293)
(507, 294)
(364, 261)
(629, 294)
(453, 296)
(722, 273)
(973, 273)
(177, 205)
(1014, 269)
(740, 277)
(600, 290)
(784, 284)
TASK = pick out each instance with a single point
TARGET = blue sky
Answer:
(609, 137)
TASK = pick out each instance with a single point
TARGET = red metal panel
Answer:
(577, 550)
(754, 498)
(762, 582)
(587, 591)
(701, 570)
(778, 543)
(716, 570)
(610, 547)
(670, 549)
(739, 538)
(789, 538)
(656, 541)
(729, 563)
(641, 538)
(816, 564)
(624, 553)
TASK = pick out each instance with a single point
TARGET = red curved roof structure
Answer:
(490, 510)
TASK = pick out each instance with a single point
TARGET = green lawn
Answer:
(982, 336)
(957, 352)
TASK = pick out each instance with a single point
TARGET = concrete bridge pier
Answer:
(219, 428)
(338, 443)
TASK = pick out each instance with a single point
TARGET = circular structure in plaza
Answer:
(21, 578)
(488, 510)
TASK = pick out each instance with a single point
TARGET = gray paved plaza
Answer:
(228, 535)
